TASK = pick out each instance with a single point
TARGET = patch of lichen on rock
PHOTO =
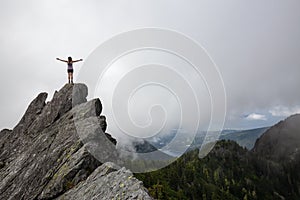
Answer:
(74, 167)
(69, 185)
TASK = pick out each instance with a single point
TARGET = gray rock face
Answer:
(35, 108)
(107, 183)
(43, 157)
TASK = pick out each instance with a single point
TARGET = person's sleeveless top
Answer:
(70, 65)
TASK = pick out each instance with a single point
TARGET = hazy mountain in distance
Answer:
(245, 138)
(281, 143)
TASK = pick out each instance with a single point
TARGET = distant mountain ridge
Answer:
(245, 138)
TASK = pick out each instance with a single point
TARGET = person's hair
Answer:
(69, 58)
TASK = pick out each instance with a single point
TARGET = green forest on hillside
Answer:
(227, 172)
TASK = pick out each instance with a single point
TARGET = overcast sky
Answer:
(255, 45)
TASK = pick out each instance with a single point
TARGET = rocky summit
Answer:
(45, 157)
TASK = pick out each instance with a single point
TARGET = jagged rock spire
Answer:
(43, 156)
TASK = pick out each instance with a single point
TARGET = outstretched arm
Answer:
(77, 60)
(61, 60)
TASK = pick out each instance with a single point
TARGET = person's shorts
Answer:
(70, 70)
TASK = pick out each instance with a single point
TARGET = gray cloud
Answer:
(255, 44)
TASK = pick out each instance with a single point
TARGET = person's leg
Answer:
(72, 78)
(69, 77)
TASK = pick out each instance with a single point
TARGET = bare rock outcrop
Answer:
(44, 157)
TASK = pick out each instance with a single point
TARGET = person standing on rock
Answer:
(70, 67)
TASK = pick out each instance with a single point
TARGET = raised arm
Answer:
(77, 60)
(61, 60)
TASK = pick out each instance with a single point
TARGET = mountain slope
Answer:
(269, 171)
(225, 173)
(281, 143)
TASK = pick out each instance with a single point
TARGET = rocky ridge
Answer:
(43, 157)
